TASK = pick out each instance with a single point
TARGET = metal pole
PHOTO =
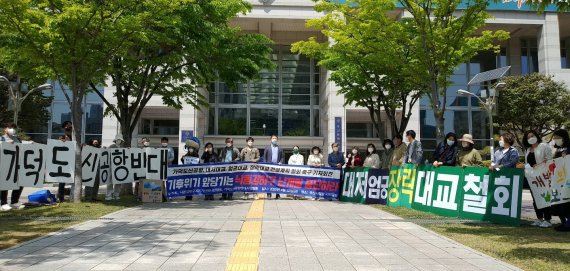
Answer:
(490, 113)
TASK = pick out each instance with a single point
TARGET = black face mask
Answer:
(96, 145)
(68, 129)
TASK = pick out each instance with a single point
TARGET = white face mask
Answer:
(502, 144)
(229, 145)
(370, 150)
(335, 149)
(450, 142)
(559, 142)
(532, 140)
(465, 144)
(354, 151)
(164, 144)
(11, 131)
(274, 141)
(208, 149)
(191, 150)
(315, 152)
(387, 147)
(146, 144)
(250, 144)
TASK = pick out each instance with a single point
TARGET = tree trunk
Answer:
(78, 91)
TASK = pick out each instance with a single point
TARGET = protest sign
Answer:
(60, 161)
(9, 165)
(138, 164)
(157, 159)
(561, 181)
(204, 179)
(538, 178)
(89, 165)
(377, 186)
(32, 165)
(105, 167)
(354, 183)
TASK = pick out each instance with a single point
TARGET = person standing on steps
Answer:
(273, 154)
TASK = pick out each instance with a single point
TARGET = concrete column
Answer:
(188, 122)
(514, 55)
(110, 123)
(333, 108)
(549, 45)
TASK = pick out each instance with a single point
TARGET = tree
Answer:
(71, 41)
(181, 46)
(532, 102)
(541, 5)
(371, 58)
(447, 40)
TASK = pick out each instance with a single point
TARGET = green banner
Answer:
(354, 183)
(471, 193)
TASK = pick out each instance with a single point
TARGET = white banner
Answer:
(120, 165)
(32, 165)
(9, 165)
(138, 164)
(157, 163)
(60, 164)
(90, 157)
(561, 181)
(105, 167)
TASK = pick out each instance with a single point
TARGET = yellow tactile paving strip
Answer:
(245, 254)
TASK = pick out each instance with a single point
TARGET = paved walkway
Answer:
(204, 235)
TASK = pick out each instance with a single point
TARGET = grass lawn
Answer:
(527, 247)
(18, 226)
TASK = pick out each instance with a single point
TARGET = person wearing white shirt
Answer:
(296, 158)
(316, 159)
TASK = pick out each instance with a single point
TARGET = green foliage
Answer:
(540, 5)
(370, 57)
(533, 102)
(181, 46)
(445, 40)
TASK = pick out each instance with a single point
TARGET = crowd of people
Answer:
(450, 152)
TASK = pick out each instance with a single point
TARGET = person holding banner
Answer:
(209, 157)
(372, 159)
(9, 136)
(386, 158)
(296, 159)
(506, 155)
(537, 153)
(164, 144)
(229, 154)
(316, 159)
(191, 156)
(336, 157)
(399, 151)
(414, 152)
(249, 154)
(92, 192)
(354, 158)
(446, 151)
(468, 156)
(561, 144)
(273, 154)
(114, 190)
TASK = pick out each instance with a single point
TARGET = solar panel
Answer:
(489, 75)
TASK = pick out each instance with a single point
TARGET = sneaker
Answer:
(18, 206)
(109, 197)
(116, 196)
(6, 207)
(545, 224)
(536, 223)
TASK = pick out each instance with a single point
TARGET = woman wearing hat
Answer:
(468, 155)
(191, 157)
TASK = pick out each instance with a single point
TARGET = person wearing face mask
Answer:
(316, 158)
(68, 129)
(273, 154)
(399, 150)
(164, 144)
(229, 154)
(296, 158)
(561, 143)
(386, 156)
(191, 157)
(468, 156)
(209, 157)
(9, 136)
(446, 152)
(249, 154)
(537, 153)
(506, 156)
(372, 159)
(145, 142)
(336, 157)
(414, 152)
(354, 158)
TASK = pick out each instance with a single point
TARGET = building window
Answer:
(160, 127)
(564, 53)
(529, 56)
(60, 112)
(359, 130)
(284, 101)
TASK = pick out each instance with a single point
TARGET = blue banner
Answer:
(207, 179)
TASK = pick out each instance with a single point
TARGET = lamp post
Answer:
(264, 126)
(17, 99)
(488, 104)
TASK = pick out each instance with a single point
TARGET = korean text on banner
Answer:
(9, 165)
(32, 165)
(539, 178)
(354, 184)
(60, 164)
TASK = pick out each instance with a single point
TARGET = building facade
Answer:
(298, 103)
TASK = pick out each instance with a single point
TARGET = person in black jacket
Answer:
(446, 152)
(209, 157)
